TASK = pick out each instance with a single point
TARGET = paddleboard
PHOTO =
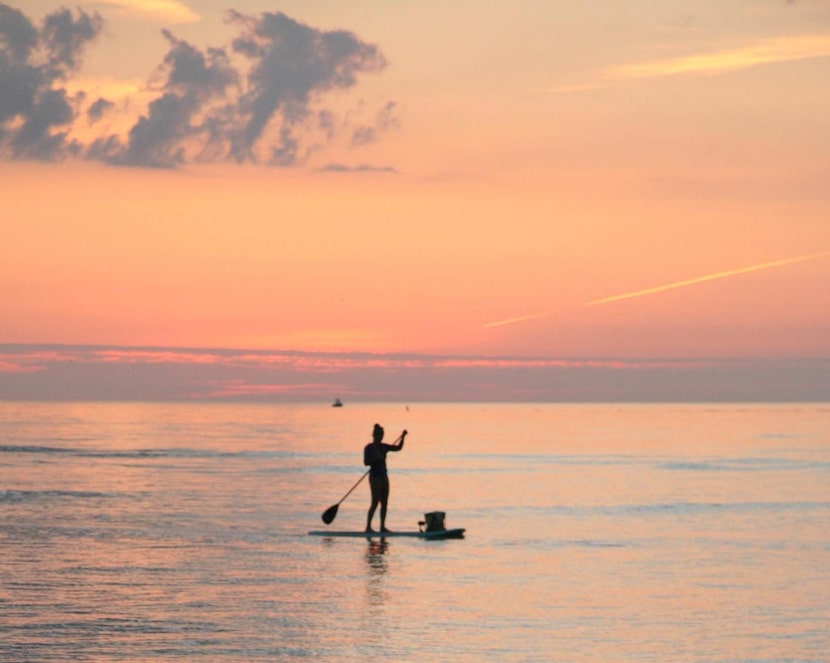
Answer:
(456, 533)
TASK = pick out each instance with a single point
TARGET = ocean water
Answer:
(160, 532)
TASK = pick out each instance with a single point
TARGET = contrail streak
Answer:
(708, 277)
(512, 321)
(669, 286)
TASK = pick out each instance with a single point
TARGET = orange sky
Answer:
(521, 162)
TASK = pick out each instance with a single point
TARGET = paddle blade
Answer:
(329, 514)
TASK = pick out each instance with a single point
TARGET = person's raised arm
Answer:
(399, 442)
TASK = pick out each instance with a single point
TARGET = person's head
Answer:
(377, 433)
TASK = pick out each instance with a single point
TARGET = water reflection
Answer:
(374, 555)
(378, 567)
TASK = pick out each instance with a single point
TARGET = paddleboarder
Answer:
(374, 455)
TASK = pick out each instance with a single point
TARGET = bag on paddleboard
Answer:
(434, 521)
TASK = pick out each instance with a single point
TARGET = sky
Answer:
(456, 200)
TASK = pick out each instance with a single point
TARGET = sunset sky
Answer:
(532, 199)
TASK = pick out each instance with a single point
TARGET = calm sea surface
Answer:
(145, 532)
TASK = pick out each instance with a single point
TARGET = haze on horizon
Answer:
(599, 200)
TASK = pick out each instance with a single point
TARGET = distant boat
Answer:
(337, 403)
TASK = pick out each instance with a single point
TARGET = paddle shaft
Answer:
(365, 474)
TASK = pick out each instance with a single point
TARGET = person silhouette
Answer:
(374, 455)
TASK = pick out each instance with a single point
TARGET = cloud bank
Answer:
(263, 98)
(102, 373)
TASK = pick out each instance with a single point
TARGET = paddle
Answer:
(330, 513)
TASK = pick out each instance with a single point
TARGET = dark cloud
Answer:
(18, 37)
(290, 64)
(385, 119)
(98, 109)
(65, 37)
(191, 81)
(263, 99)
(274, 111)
(36, 112)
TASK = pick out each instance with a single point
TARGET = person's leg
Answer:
(375, 501)
(384, 501)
